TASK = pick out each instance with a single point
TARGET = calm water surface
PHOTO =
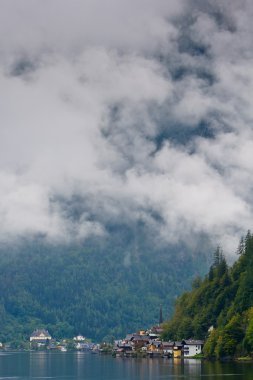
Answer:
(61, 366)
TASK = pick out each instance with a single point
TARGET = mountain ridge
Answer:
(100, 288)
(219, 308)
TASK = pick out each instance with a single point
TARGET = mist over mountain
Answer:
(139, 110)
(126, 113)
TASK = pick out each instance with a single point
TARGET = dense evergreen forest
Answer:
(222, 303)
(101, 288)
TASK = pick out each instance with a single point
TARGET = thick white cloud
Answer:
(114, 104)
(68, 26)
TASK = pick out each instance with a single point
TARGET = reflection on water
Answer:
(192, 367)
(80, 365)
(40, 364)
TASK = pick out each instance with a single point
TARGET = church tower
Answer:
(161, 315)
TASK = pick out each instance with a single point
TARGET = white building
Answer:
(192, 347)
(79, 338)
(40, 336)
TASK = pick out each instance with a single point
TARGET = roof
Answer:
(129, 336)
(178, 344)
(140, 337)
(125, 346)
(153, 336)
(168, 344)
(40, 333)
(193, 342)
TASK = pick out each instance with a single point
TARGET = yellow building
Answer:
(177, 350)
(152, 347)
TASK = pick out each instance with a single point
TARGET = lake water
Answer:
(78, 365)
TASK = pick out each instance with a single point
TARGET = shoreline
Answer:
(135, 355)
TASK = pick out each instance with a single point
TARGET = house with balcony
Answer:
(167, 348)
(192, 347)
(40, 337)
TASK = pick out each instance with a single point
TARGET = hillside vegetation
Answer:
(223, 300)
(103, 288)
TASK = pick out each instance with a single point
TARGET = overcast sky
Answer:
(126, 109)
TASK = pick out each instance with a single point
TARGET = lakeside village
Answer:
(144, 343)
(140, 344)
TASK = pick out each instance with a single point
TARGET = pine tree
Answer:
(241, 247)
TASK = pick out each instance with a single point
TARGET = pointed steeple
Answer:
(161, 315)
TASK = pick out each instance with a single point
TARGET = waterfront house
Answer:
(177, 349)
(153, 336)
(81, 346)
(124, 347)
(139, 341)
(41, 337)
(79, 338)
(129, 338)
(168, 348)
(192, 347)
(155, 348)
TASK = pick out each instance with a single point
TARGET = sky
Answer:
(123, 111)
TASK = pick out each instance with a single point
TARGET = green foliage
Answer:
(211, 342)
(224, 299)
(248, 340)
(230, 337)
(70, 345)
(106, 287)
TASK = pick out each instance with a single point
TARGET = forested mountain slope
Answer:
(223, 300)
(98, 289)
